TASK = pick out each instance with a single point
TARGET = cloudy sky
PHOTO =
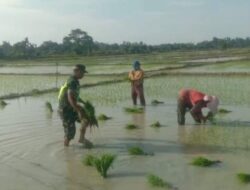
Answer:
(150, 21)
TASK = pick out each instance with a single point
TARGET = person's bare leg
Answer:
(83, 129)
(66, 141)
(82, 138)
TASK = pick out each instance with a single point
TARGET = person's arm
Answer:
(197, 113)
(131, 75)
(73, 101)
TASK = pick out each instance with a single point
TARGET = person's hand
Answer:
(204, 120)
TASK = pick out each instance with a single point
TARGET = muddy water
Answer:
(32, 153)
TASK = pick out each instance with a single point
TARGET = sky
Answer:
(115, 21)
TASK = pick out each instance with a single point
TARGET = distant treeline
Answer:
(78, 42)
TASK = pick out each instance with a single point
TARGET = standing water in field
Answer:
(33, 154)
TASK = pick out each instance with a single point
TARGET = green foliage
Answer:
(88, 160)
(244, 178)
(203, 162)
(48, 106)
(103, 117)
(3, 103)
(223, 111)
(134, 110)
(131, 126)
(156, 102)
(156, 181)
(103, 163)
(156, 124)
(136, 151)
(89, 111)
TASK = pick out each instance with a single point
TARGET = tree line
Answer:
(79, 42)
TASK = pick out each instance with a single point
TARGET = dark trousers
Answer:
(137, 91)
(182, 108)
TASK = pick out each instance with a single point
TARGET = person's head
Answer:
(136, 65)
(212, 103)
(79, 71)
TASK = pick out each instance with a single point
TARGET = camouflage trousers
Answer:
(69, 117)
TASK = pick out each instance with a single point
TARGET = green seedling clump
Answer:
(134, 110)
(88, 160)
(156, 181)
(136, 151)
(156, 102)
(89, 111)
(103, 163)
(131, 126)
(156, 124)
(221, 110)
(49, 106)
(35, 92)
(3, 103)
(204, 162)
(103, 117)
(244, 178)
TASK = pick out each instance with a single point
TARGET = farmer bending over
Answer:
(136, 77)
(69, 108)
(195, 101)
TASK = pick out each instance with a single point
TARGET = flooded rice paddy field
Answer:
(32, 152)
(24, 83)
(242, 66)
(92, 69)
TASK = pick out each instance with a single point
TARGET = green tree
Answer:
(78, 42)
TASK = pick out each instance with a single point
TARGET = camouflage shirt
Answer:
(71, 84)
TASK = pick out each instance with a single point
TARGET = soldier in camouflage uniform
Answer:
(70, 110)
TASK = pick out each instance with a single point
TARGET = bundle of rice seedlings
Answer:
(136, 151)
(89, 111)
(131, 126)
(134, 110)
(103, 163)
(88, 160)
(224, 111)
(210, 117)
(156, 124)
(204, 162)
(156, 181)
(3, 103)
(103, 117)
(49, 106)
(156, 102)
(243, 177)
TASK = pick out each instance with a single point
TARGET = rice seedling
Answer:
(103, 163)
(3, 103)
(88, 160)
(49, 106)
(243, 177)
(156, 181)
(223, 111)
(35, 92)
(156, 124)
(103, 117)
(204, 162)
(89, 111)
(136, 151)
(131, 126)
(134, 110)
(156, 102)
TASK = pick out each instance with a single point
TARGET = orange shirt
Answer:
(136, 75)
(191, 96)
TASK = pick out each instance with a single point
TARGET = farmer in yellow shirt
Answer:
(136, 77)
